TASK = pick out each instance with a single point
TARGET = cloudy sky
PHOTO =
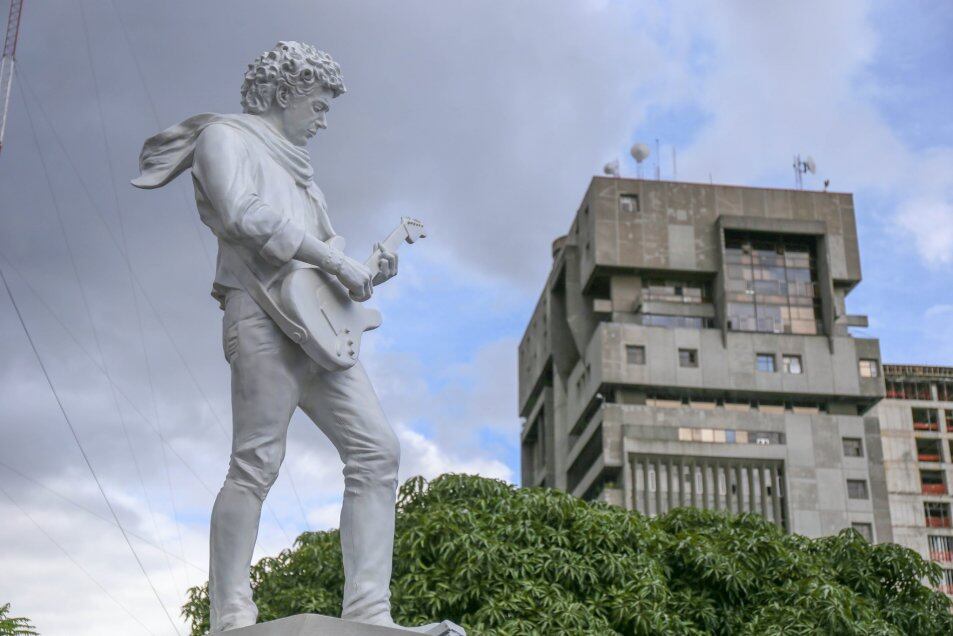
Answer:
(486, 120)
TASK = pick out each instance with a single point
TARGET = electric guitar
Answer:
(319, 314)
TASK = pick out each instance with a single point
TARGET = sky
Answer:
(485, 119)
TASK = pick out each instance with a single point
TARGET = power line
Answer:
(141, 287)
(89, 314)
(82, 450)
(135, 298)
(99, 367)
(196, 225)
(72, 560)
(70, 500)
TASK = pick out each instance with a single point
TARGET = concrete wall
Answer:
(573, 354)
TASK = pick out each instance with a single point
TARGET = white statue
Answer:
(292, 324)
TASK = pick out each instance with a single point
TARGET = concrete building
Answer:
(916, 426)
(691, 347)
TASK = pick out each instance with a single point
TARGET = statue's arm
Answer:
(224, 167)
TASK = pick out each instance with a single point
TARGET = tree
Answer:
(502, 560)
(12, 625)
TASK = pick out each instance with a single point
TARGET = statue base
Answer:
(318, 625)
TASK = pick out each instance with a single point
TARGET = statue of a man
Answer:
(254, 189)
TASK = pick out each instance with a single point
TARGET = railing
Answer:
(941, 555)
(926, 426)
(938, 522)
(928, 457)
(933, 489)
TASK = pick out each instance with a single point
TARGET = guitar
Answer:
(324, 321)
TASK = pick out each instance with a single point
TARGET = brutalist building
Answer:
(691, 347)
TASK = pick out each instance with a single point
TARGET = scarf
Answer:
(166, 155)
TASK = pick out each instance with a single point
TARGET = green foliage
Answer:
(502, 560)
(12, 625)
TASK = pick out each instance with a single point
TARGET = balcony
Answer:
(928, 450)
(941, 548)
(926, 419)
(932, 482)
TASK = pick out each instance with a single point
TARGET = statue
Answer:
(292, 323)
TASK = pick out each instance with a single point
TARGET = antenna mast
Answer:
(8, 61)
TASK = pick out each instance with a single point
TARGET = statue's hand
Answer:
(387, 261)
(356, 278)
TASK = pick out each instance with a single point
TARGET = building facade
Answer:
(691, 346)
(916, 424)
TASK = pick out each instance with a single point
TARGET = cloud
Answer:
(421, 456)
(484, 119)
(930, 224)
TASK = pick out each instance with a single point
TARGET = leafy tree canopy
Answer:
(502, 560)
(12, 625)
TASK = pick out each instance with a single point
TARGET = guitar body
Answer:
(315, 310)
(334, 323)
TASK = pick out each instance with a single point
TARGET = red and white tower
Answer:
(9, 59)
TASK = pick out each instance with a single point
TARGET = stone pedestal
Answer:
(317, 625)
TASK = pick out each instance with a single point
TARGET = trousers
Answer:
(271, 376)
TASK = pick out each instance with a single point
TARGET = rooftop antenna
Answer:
(640, 153)
(658, 159)
(9, 59)
(801, 167)
(611, 169)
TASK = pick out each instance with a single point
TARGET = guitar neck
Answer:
(391, 243)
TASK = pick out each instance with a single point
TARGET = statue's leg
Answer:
(266, 368)
(343, 404)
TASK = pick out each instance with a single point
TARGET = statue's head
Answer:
(292, 85)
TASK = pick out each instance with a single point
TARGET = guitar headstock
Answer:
(414, 228)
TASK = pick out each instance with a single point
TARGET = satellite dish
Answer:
(810, 166)
(640, 152)
(612, 168)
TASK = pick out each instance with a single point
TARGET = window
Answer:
(925, 419)
(941, 548)
(635, 354)
(771, 284)
(869, 368)
(931, 482)
(676, 291)
(944, 391)
(629, 203)
(949, 420)
(908, 390)
(937, 514)
(688, 357)
(928, 450)
(864, 529)
(857, 489)
(765, 362)
(946, 585)
(853, 447)
(791, 364)
(686, 322)
(729, 436)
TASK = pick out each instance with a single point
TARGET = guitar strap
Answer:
(236, 265)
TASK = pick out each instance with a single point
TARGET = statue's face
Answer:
(302, 116)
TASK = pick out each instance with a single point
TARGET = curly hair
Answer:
(299, 67)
